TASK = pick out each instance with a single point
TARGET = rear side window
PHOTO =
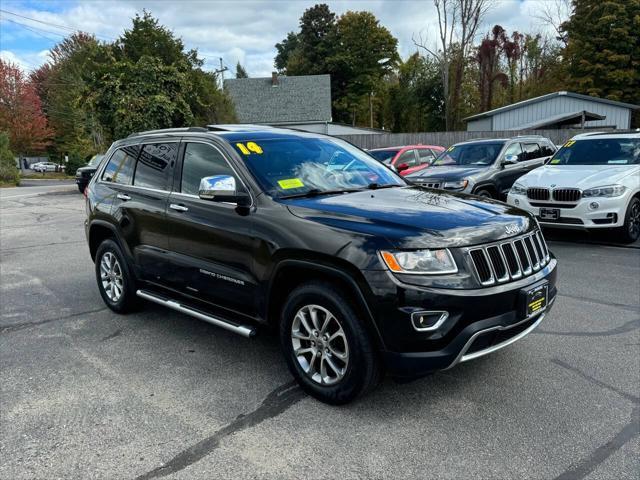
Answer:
(120, 167)
(547, 150)
(155, 165)
(201, 160)
(531, 151)
(515, 149)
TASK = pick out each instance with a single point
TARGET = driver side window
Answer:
(408, 157)
(201, 160)
(515, 149)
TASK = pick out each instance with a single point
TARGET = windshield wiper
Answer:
(314, 192)
(377, 186)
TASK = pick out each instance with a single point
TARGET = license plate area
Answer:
(533, 301)
(550, 213)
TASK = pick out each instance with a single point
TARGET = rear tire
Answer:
(336, 360)
(116, 282)
(630, 231)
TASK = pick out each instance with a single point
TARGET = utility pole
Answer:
(221, 72)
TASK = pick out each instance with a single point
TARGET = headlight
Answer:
(605, 191)
(518, 189)
(459, 185)
(429, 262)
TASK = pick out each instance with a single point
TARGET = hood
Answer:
(446, 173)
(577, 176)
(415, 217)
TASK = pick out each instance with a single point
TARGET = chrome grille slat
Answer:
(537, 193)
(509, 260)
(566, 194)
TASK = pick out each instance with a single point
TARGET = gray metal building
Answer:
(555, 110)
(302, 102)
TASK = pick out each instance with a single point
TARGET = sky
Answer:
(242, 31)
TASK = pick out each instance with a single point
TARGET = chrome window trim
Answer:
(444, 315)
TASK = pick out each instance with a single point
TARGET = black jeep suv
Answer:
(246, 226)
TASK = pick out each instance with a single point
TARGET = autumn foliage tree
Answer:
(21, 113)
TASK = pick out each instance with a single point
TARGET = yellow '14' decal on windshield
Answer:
(569, 143)
(249, 148)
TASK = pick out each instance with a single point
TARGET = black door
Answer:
(141, 190)
(210, 242)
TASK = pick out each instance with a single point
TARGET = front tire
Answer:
(483, 192)
(115, 281)
(326, 345)
(630, 231)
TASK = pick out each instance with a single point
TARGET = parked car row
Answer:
(590, 182)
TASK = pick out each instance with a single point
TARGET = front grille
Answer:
(552, 205)
(566, 194)
(538, 193)
(567, 220)
(510, 259)
(431, 184)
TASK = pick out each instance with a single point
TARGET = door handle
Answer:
(123, 196)
(180, 208)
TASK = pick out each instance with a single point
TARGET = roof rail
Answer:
(169, 130)
(529, 136)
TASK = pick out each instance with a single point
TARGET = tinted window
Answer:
(120, 166)
(425, 155)
(407, 157)
(547, 150)
(201, 160)
(155, 165)
(531, 151)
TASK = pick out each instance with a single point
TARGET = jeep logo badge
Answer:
(512, 229)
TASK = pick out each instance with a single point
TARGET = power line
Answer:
(36, 30)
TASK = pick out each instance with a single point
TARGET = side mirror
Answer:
(402, 167)
(510, 160)
(221, 188)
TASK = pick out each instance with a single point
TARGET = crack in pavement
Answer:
(632, 429)
(41, 246)
(21, 326)
(624, 328)
(278, 401)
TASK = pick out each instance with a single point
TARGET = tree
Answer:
(8, 170)
(458, 22)
(316, 42)
(240, 71)
(21, 112)
(488, 58)
(603, 49)
(415, 102)
(285, 49)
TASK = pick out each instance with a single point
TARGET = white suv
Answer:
(593, 181)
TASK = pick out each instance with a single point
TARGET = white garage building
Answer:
(555, 110)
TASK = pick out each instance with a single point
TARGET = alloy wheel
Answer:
(634, 221)
(111, 276)
(320, 344)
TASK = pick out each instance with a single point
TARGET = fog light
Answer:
(428, 321)
(594, 205)
(516, 201)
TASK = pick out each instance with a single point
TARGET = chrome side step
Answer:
(243, 330)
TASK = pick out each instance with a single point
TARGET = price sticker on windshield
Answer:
(249, 148)
(569, 143)
(450, 149)
(290, 183)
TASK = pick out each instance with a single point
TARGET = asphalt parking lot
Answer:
(86, 393)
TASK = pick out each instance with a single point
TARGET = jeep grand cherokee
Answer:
(248, 227)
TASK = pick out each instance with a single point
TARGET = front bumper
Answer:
(480, 321)
(610, 212)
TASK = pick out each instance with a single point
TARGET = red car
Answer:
(407, 159)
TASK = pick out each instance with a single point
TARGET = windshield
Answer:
(599, 151)
(384, 156)
(478, 154)
(298, 166)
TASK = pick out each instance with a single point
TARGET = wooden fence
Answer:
(445, 139)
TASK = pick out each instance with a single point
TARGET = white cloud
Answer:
(247, 31)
